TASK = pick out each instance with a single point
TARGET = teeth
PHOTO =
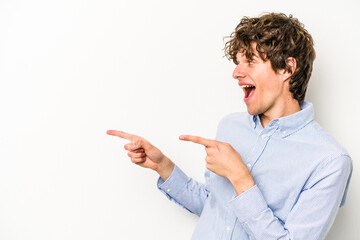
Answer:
(246, 86)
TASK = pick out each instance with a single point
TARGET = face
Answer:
(264, 88)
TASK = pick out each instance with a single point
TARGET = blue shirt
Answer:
(301, 175)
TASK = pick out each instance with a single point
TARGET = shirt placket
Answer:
(260, 145)
(261, 142)
(229, 226)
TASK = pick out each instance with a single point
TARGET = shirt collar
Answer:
(291, 123)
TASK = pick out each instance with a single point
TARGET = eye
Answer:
(251, 61)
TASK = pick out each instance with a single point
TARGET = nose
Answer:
(239, 72)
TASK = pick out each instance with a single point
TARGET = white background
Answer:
(71, 69)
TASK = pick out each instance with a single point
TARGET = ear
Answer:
(291, 62)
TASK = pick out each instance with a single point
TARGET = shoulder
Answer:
(321, 139)
(233, 125)
(332, 160)
(235, 118)
(326, 153)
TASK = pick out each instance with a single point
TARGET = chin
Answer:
(253, 111)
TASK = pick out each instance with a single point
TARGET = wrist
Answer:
(242, 183)
(165, 168)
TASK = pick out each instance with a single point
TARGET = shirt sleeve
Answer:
(184, 191)
(312, 215)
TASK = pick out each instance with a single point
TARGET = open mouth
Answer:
(248, 91)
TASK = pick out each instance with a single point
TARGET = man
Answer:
(273, 173)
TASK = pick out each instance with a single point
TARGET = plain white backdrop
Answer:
(71, 69)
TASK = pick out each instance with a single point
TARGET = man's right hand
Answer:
(145, 154)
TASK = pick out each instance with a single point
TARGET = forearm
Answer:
(242, 183)
(256, 217)
(184, 191)
(165, 168)
(310, 217)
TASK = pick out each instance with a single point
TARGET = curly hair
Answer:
(277, 38)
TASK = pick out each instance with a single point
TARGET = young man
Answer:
(273, 173)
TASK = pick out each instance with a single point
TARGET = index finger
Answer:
(199, 140)
(121, 134)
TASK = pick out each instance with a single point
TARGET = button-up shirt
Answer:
(301, 178)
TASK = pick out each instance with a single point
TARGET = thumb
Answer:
(139, 144)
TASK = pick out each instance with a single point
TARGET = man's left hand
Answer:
(225, 161)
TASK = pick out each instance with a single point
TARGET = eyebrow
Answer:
(254, 55)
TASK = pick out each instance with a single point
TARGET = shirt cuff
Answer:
(249, 204)
(174, 184)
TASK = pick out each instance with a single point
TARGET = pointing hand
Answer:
(145, 154)
(225, 161)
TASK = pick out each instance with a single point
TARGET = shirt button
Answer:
(228, 229)
(248, 165)
(283, 132)
(168, 190)
(263, 136)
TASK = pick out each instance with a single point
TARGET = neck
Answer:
(288, 107)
